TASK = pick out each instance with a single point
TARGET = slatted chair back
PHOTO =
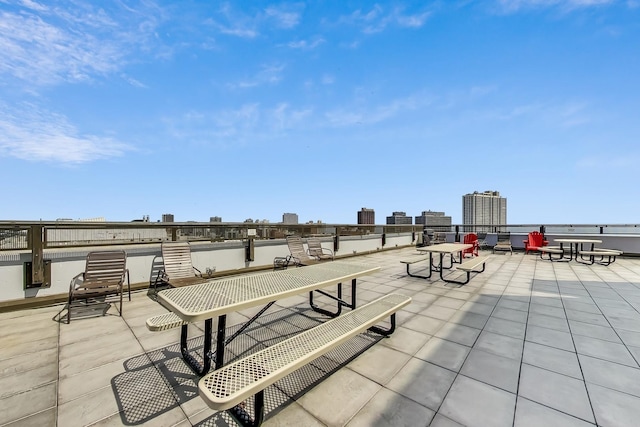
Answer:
(298, 255)
(105, 269)
(504, 243)
(535, 240)
(316, 249)
(104, 273)
(439, 237)
(482, 240)
(176, 257)
(471, 238)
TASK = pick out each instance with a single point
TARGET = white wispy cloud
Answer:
(516, 5)
(284, 17)
(268, 74)
(250, 123)
(43, 44)
(378, 18)
(372, 114)
(231, 20)
(306, 44)
(31, 133)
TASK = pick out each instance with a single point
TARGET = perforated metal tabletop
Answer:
(219, 297)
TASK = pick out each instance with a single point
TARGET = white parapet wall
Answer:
(145, 260)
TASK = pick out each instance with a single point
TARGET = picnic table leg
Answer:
(243, 418)
(199, 369)
(322, 310)
(220, 341)
(431, 269)
(340, 302)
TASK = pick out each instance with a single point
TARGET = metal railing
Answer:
(22, 235)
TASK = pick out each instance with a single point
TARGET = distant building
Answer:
(290, 218)
(434, 220)
(486, 208)
(366, 216)
(167, 218)
(399, 218)
(215, 219)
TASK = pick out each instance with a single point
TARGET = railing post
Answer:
(336, 240)
(457, 239)
(250, 248)
(37, 273)
(384, 239)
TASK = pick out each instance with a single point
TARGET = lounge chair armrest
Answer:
(199, 273)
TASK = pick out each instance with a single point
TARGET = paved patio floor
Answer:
(526, 343)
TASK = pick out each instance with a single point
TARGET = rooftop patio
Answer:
(526, 343)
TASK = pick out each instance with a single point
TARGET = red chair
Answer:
(535, 240)
(471, 238)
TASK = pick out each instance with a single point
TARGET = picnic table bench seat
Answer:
(610, 254)
(471, 266)
(226, 388)
(164, 322)
(413, 260)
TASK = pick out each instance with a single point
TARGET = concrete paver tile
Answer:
(532, 414)
(345, 393)
(551, 358)
(422, 382)
(444, 353)
(606, 350)
(406, 340)
(473, 403)
(506, 327)
(613, 408)
(557, 391)
(498, 371)
(28, 403)
(460, 334)
(611, 375)
(391, 409)
(379, 363)
(550, 337)
(501, 345)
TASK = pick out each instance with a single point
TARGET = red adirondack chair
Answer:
(471, 238)
(535, 240)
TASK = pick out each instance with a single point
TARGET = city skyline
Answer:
(125, 109)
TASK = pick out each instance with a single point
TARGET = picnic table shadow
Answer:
(158, 381)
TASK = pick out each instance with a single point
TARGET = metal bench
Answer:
(164, 322)
(550, 251)
(226, 388)
(470, 266)
(610, 254)
(408, 262)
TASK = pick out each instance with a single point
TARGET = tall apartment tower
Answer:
(289, 218)
(399, 218)
(167, 217)
(366, 216)
(486, 208)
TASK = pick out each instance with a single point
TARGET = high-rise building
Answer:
(167, 217)
(399, 218)
(290, 218)
(215, 219)
(486, 208)
(434, 220)
(366, 216)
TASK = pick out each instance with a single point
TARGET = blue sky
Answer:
(252, 109)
